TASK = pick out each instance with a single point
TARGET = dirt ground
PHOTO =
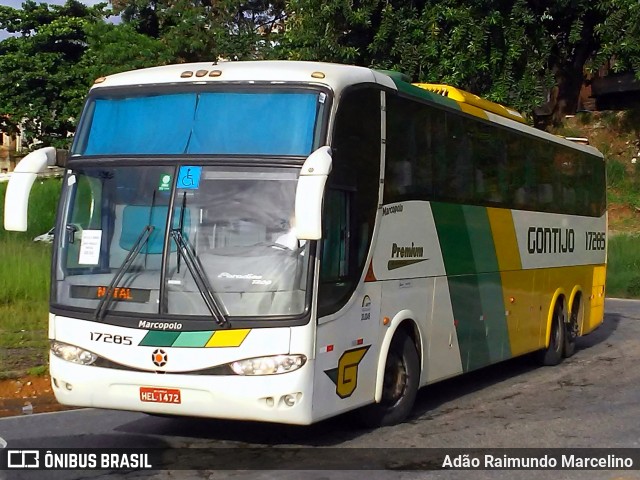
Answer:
(29, 394)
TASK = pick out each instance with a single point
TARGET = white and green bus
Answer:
(288, 241)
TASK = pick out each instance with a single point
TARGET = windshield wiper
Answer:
(105, 301)
(186, 252)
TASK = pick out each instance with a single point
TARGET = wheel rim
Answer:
(395, 380)
(557, 334)
(572, 330)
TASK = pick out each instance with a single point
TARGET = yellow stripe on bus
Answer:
(504, 239)
(228, 338)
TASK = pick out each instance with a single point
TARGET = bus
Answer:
(287, 241)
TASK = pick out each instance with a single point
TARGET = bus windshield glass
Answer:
(275, 122)
(236, 223)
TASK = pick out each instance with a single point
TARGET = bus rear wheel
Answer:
(400, 386)
(552, 355)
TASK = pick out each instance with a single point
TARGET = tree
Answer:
(206, 30)
(119, 48)
(586, 35)
(488, 47)
(37, 67)
(57, 53)
(509, 52)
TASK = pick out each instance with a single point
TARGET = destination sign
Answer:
(119, 294)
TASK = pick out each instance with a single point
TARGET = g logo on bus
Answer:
(346, 375)
(159, 357)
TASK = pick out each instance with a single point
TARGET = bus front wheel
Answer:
(400, 386)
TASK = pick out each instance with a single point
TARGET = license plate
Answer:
(159, 395)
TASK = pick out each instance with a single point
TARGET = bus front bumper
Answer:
(283, 398)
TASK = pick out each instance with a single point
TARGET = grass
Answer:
(42, 208)
(24, 285)
(623, 269)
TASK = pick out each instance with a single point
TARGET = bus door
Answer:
(348, 311)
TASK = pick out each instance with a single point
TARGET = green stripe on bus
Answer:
(454, 238)
(494, 318)
(468, 249)
(470, 329)
(480, 239)
(155, 338)
(489, 284)
(193, 339)
(414, 91)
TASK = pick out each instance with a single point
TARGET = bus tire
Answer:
(571, 330)
(400, 386)
(552, 355)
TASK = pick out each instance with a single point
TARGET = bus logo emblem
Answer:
(159, 357)
(345, 376)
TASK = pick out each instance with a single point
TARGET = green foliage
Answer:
(119, 48)
(616, 173)
(568, 132)
(584, 118)
(610, 120)
(207, 30)
(623, 183)
(47, 70)
(633, 289)
(491, 48)
(38, 371)
(631, 121)
(42, 209)
(623, 279)
(39, 79)
(508, 52)
(24, 284)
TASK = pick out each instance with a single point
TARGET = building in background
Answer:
(10, 151)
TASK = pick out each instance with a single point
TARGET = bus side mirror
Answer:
(16, 201)
(61, 158)
(309, 194)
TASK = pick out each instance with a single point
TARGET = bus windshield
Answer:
(274, 122)
(235, 222)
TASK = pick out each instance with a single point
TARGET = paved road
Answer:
(591, 400)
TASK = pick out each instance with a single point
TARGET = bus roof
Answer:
(332, 75)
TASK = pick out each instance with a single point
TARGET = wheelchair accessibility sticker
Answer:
(189, 177)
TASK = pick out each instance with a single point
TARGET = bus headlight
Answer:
(73, 354)
(268, 365)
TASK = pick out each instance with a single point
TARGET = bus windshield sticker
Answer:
(189, 177)
(90, 247)
(165, 183)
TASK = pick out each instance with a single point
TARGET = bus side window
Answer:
(335, 248)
